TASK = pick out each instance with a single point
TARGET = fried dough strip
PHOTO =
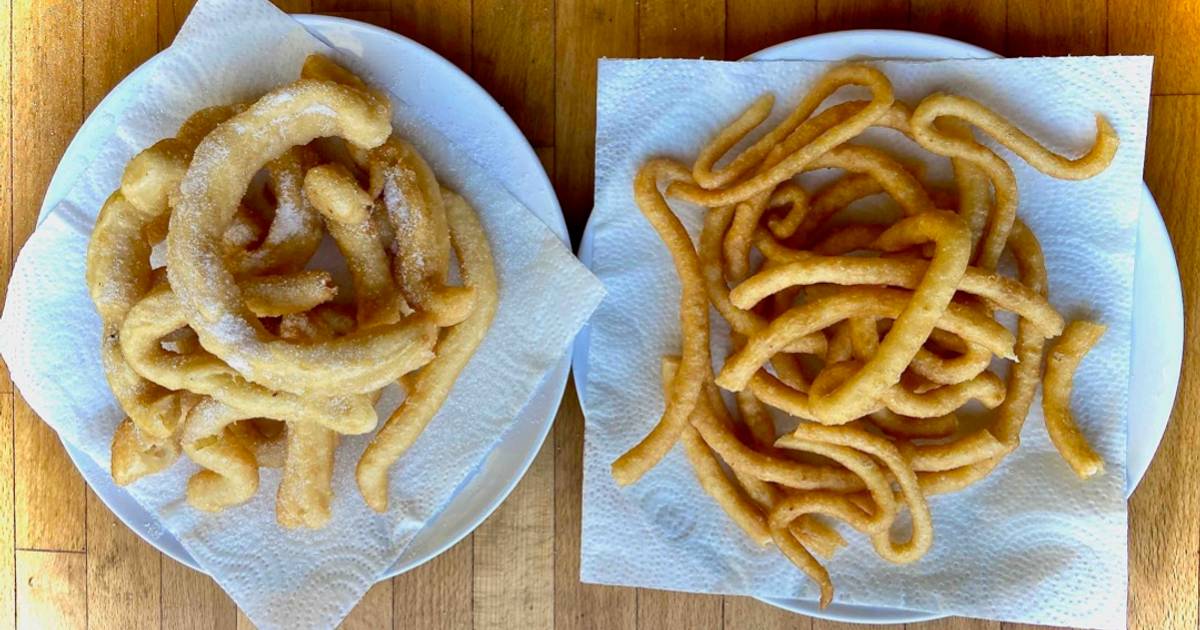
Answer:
(1065, 355)
(335, 193)
(695, 364)
(224, 162)
(431, 386)
(159, 313)
(763, 180)
(853, 302)
(230, 475)
(414, 204)
(1003, 292)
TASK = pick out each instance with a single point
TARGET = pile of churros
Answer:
(236, 352)
(869, 336)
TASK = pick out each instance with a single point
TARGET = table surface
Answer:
(66, 561)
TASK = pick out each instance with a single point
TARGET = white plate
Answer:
(473, 120)
(1157, 309)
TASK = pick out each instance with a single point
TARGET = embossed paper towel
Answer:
(1030, 543)
(232, 50)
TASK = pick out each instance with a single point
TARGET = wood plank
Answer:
(171, 14)
(442, 25)
(123, 572)
(691, 28)
(373, 611)
(1065, 27)
(751, 25)
(822, 624)
(193, 601)
(1168, 30)
(48, 492)
(746, 612)
(956, 623)
(294, 6)
(124, 578)
(437, 594)
(851, 14)
(51, 589)
(512, 40)
(325, 6)
(382, 19)
(7, 546)
(243, 622)
(514, 554)
(579, 606)
(117, 37)
(47, 53)
(6, 162)
(980, 22)
(667, 609)
(584, 32)
(1164, 520)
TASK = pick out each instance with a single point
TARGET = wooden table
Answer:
(67, 561)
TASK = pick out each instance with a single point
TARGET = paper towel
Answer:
(228, 51)
(1030, 543)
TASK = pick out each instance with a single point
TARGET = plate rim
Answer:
(552, 385)
(853, 613)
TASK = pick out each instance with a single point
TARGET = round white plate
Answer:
(478, 124)
(1157, 309)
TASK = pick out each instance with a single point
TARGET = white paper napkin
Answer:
(1030, 543)
(230, 50)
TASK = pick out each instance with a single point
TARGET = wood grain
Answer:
(124, 577)
(1165, 511)
(8, 604)
(6, 162)
(514, 554)
(51, 589)
(511, 40)
(980, 22)
(132, 26)
(849, 14)
(579, 606)
(666, 609)
(193, 601)
(1064, 27)
(47, 48)
(823, 624)
(584, 31)
(171, 14)
(123, 572)
(956, 623)
(437, 594)
(381, 19)
(695, 28)
(294, 6)
(1158, 29)
(329, 6)
(48, 493)
(746, 612)
(374, 611)
(443, 25)
(751, 25)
